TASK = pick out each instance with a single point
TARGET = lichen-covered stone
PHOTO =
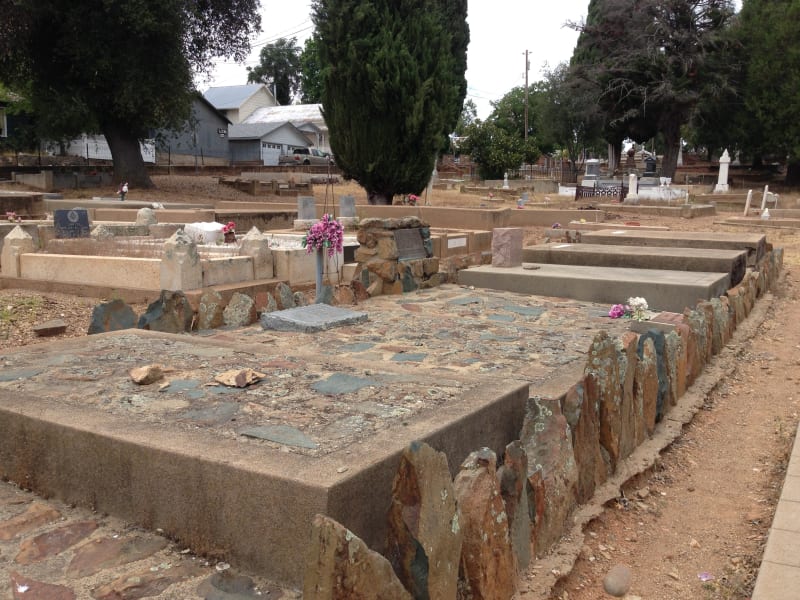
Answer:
(171, 313)
(340, 566)
(583, 416)
(209, 311)
(240, 311)
(424, 541)
(661, 368)
(646, 390)
(112, 316)
(627, 359)
(552, 472)
(512, 476)
(487, 560)
(284, 296)
(675, 366)
(603, 388)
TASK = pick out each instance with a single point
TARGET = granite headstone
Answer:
(71, 223)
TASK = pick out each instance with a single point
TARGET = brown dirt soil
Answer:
(691, 527)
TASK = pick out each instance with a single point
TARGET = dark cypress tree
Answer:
(393, 87)
(771, 40)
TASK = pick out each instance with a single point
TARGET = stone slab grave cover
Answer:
(71, 223)
(410, 244)
(311, 318)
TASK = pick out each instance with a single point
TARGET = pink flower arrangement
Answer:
(231, 226)
(413, 199)
(636, 309)
(619, 310)
(327, 233)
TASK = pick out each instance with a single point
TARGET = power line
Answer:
(284, 34)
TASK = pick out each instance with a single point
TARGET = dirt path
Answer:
(694, 526)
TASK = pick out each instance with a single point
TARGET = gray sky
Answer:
(500, 32)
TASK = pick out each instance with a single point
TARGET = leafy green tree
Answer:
(771, 39)
(495, 150)
(509, 112)
(310, 73)
(469, 114)
(566, 119)
(393, 87)
(21, 136)
(119, 67)
(278, 69)
(648, 63)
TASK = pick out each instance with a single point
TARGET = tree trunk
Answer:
(793, 172)
(614, 156)
(378, 198)
(672, 139)
(128, 163)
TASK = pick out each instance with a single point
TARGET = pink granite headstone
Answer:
(507, 247)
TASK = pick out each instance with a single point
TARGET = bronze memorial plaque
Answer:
(409, 244)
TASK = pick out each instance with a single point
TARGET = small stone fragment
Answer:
(147, 374)
(617, 581)
(239, 377)
(51, 327)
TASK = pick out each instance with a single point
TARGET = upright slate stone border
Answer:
(569, 446)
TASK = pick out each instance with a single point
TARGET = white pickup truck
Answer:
(305, 156)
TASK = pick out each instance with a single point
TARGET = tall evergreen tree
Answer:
(278, 69)
(771, 41)
(393, 87)
(118, 67)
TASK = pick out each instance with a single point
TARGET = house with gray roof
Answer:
(203, 140)
(306, 117)
(238, 102)
(264, 142)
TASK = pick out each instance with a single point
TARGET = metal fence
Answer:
(560, 172)
(616, 193)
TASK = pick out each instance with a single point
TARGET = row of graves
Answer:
(490, 407)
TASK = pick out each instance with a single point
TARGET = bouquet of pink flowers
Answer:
(231, 226)
(636, 308)
(327, 233)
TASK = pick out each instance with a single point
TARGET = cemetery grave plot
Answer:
(331, 388)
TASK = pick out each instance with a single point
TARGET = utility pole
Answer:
(527, 67)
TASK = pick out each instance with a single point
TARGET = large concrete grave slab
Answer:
(240, 472)
(754, 243)
(664, 290)
(710, 260)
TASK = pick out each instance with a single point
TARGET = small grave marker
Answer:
(306, 208)
(409, 244)
(71, 223)
(347, 206)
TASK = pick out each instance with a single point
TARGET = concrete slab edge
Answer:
(779, 568)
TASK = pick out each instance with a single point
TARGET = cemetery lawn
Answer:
(695, 525)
